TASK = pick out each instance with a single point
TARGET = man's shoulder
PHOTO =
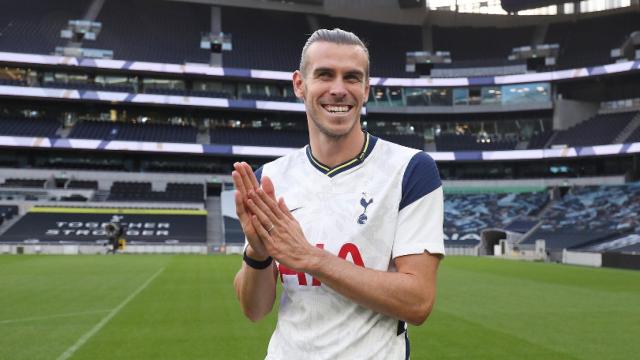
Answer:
(285, 163)
(400, 154)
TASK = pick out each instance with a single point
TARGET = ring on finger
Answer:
(271, 229)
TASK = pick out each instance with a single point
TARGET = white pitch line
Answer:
(52, 316)
(83, 339)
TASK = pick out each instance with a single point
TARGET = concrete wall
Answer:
(571, 112)
(582, 258)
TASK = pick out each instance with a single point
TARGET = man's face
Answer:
(334, 87)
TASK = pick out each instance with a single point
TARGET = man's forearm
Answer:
(256, 290)
(406, 296)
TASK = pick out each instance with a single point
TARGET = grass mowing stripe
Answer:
(52, 316)
(83, 339)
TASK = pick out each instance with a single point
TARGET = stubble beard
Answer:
(334, 136)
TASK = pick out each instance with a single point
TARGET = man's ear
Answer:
(298, 84)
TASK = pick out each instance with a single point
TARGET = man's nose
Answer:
(338, 89)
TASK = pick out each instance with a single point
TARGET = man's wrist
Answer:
(253, 254)
(314, 262)
(256, 264)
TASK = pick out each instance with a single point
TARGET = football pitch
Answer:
(183, 307)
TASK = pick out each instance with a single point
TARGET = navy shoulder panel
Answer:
(420, 178)
(258, 174)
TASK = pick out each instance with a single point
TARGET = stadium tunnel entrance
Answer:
(489, 239)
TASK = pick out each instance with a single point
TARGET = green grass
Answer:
(486, 309)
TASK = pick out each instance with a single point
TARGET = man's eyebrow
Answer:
(322, 70)
(355, 72)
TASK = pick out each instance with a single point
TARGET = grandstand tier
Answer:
(83, 140)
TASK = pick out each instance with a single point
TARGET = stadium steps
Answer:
(628, 130)
(539, 216)
(100, 195)
(539, 34)
(214, 220)
(8, 223)
(551, 139)
(63, 132)
(203, 137)
(522, 145)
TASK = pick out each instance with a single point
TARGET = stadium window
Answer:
(569, 8)
(547, 10)
(601, 5)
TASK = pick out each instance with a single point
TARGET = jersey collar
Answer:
(369, 143)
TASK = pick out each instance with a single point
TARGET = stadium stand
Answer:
(211, 94)
(28, 127)
(233, 231)
(453, 142)
(264, 39)
(169, 32)
(476, 47)
(626, 243)
(133, 131)
(13, 82)
(265, 97)
(539, 139)
(590, 215)
(466, 215)
(141, 191)
(8, 211)
(596, 208)
(589, 42)
(387, 43)
(598, 130)
(409, 140)
(165, 91)
(259, 137)
(25, 183)
(634, 136)
(85, 225)
(166, 31)
(87, 85)
(34, 26)
(82, 184)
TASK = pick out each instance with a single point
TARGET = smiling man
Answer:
(351, 225)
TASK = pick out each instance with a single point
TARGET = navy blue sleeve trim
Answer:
(258, 174)
(420, 178)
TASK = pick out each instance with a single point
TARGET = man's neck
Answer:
(335, 151)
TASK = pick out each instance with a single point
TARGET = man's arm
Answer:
(255, 289)
(407, 294)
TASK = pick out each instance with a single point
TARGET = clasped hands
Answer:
(267, 223)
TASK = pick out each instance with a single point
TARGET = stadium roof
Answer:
(445, 13)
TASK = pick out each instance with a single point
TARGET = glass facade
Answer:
(484, 95)
(495, 7)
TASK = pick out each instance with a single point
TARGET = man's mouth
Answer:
(337, 109)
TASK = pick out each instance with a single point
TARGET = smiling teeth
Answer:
(334, 109)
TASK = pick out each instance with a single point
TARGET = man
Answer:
(358, 241)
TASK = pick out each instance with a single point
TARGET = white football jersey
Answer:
(387, 202)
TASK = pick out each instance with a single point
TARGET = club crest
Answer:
(365, 201)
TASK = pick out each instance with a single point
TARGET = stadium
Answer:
(122, 119)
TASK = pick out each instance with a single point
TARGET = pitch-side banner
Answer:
(82, 225)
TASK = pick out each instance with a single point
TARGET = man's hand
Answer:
(278, 230)
(245, 182)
